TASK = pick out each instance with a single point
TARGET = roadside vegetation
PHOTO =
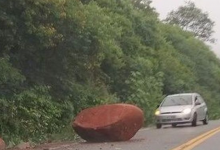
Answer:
(58, 57)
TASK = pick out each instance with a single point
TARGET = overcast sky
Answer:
(212, 7)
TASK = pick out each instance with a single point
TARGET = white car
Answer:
(181, 108)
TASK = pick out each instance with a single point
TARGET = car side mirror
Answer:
(197, 103)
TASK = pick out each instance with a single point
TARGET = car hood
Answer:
(174, 109)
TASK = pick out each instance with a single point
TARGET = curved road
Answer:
(166, 138)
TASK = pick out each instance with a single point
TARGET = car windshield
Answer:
(177, 100)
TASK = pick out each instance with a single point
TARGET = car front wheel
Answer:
(174, 125)
(158, 125)
(194, 122)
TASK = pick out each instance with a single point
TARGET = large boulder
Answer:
(2, 144)
(113, 122)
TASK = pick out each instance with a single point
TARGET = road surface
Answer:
(212, 143)
(166, 138)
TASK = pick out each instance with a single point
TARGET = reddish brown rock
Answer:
(114, 122)
(2, 144)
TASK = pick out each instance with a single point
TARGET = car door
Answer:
(203, 107)
(198, 107)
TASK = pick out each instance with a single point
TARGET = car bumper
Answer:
(174, 118)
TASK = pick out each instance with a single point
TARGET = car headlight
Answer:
(187, 111)
(157, 112)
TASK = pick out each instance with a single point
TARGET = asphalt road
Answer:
(166, 138)
(212, 143)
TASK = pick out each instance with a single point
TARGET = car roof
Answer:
(182, 94)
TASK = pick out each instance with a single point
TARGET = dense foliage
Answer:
(59, 57)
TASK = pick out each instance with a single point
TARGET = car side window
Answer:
(201, 100)
(198, 99)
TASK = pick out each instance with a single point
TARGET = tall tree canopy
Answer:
(193, 19)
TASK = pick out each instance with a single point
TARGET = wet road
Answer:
(166, 138)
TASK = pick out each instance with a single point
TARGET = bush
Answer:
(32, 115)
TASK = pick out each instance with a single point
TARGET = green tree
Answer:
(193, 19)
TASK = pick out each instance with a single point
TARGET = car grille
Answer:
(171, 120)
